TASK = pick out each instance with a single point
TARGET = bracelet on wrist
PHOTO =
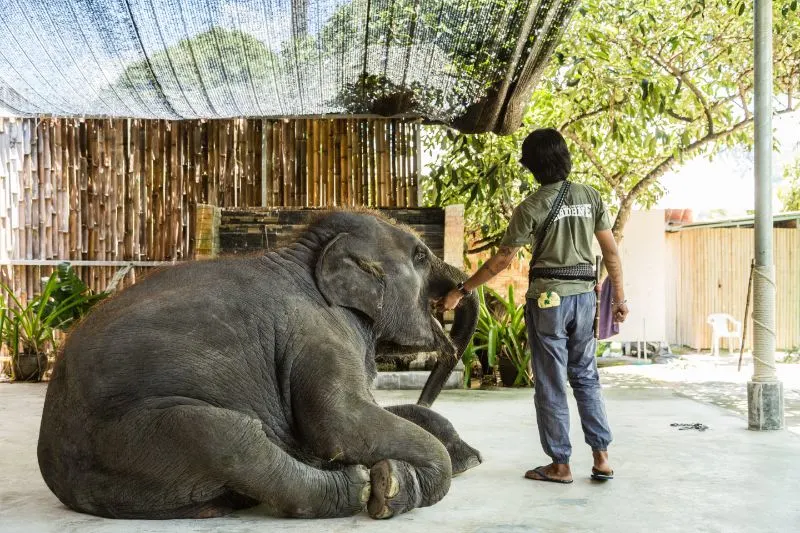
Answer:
(614, 302)
(463, 290)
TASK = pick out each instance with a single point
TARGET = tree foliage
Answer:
(205, 54)
(790, 196)
(636, 86)
(445, 28)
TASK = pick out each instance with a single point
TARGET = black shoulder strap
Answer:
(551, 216)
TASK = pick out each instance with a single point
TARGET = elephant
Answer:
(217, 385)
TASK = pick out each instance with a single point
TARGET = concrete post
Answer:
(764, 391)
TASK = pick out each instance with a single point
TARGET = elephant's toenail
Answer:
(386, 513)
(366, 492)
(394, 486)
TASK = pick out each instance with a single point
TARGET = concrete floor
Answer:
(726, 479)
(714, 380)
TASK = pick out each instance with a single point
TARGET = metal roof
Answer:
(747, 221)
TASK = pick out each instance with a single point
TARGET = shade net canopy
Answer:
(471, 64)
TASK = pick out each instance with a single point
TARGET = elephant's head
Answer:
(387, 274)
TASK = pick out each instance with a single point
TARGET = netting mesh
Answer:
(468, 63)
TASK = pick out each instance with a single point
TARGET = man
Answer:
(561, 301)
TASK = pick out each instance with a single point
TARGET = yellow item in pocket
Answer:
(549, 299)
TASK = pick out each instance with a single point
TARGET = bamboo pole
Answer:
(46, 192)
(277, 188)
(325, 188)
(335, 163)
(36, 187)
(315, 149)
(301, 167)
(85, 222)
(308, 149)
(268, 143)
(137, 223)
(175, 179)
(343, 162)
(373, 199)
(417, 169)
(74, 191)
(285, 154)
(62, 203)
(227, 167)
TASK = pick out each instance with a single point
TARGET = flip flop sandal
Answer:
(602, 476)
(544, 477)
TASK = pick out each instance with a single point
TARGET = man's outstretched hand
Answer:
(449, 301)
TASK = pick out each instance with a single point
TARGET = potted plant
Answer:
(501, 334)
(29, 330)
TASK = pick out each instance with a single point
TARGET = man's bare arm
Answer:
(613, 264)
(492, 267)
(496, 264)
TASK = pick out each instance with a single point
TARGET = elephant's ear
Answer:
(344, 278)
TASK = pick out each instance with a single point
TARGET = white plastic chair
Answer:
(724, 326)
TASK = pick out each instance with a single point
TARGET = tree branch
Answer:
(743, 97)
(681, 75)
(591, 155)
(666, 164)
(483, 248)
(675, 115)
(582, 116)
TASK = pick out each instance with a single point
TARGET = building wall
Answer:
(644, 259)
(709, 272)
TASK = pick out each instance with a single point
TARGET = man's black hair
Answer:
(545, 154)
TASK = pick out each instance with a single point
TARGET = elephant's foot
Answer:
(463, 456)
(394, 489)
(358, 489)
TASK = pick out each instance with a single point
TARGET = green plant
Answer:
(30, 328)
(790, 195)
(501, 333)
(468, 358)
(601, 348)
(68, 286)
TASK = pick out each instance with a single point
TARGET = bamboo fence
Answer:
(708, 274)
(120, 190)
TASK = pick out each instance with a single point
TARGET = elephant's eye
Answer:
(420, 256)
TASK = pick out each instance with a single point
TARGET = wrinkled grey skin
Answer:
(214, 386)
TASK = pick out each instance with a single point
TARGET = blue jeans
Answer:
(563, 348)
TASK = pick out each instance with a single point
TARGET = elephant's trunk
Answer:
(444, 278)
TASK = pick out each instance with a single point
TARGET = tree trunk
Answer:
(623, 215)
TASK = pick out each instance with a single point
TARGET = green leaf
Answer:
(491, 346)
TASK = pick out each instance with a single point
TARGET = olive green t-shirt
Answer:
(568, 242)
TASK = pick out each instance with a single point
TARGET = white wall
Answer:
(644, 264)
